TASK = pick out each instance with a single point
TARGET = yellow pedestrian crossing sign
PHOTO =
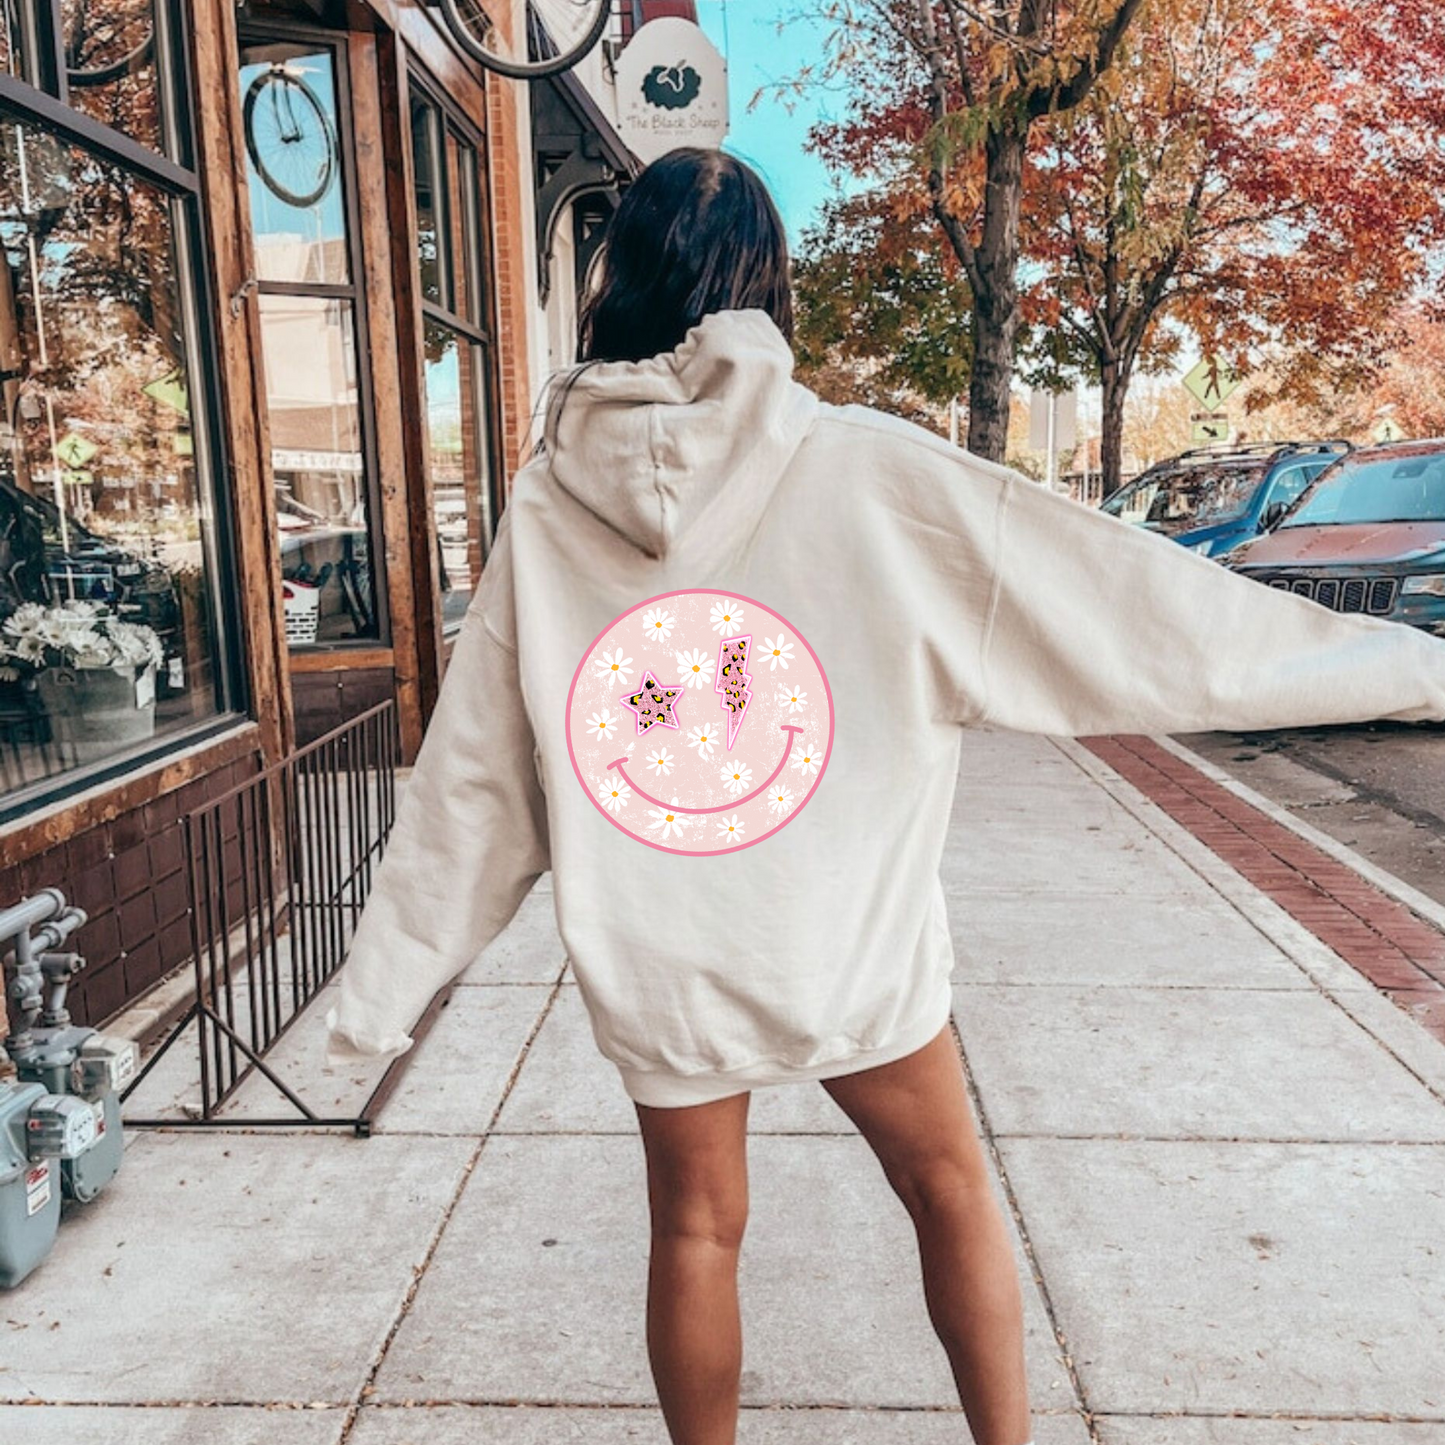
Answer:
(75, 450)
(1211, 382)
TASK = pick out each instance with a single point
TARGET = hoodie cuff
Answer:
(347, 1046)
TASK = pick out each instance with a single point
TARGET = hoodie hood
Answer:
(650, 446)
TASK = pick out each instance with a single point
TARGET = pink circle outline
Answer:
(698, 592)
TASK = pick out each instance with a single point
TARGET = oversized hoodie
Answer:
(714, 677)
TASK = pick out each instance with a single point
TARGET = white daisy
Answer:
(704, 739)
(736, 776)
(727, 617)
(665, 822)
(780, 800)
(658, 622)
(793, 698)
(695, 668)
(661, 761)
(613, 793)
(777, 651)
(730, 828)
(613, 666)
(806, 758)
(602, 724)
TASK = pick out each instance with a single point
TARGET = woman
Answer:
(714, 676)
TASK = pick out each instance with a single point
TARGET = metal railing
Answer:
(278, 869)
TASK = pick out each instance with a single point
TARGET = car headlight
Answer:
(1431, 582)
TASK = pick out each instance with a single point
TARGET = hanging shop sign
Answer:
(672, 89)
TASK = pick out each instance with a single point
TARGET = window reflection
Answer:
(313, 403)
(110, 60)
(456, 463)
(293, 163)
(448, 215)
(106, 628)
(12, 55)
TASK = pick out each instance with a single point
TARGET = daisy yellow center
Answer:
(614, 667)
(669, 817)
(737, 775)
(696, 667)
(614, 792)
(776, 653)
(727, 617)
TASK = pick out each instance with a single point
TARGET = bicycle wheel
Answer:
(102, 48)
(137, 59)
(289, 137)
(558, 34)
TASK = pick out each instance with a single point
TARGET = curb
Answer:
(1421, 903)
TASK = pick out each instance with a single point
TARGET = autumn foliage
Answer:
(1264, 179)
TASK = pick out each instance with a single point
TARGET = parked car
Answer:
(1213, 498)
(1367, 536)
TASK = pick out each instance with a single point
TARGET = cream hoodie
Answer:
(937, 591)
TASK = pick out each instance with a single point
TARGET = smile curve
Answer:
(618, 765)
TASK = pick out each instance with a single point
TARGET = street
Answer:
(1379, 788)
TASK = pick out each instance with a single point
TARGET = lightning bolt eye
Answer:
(733, 682)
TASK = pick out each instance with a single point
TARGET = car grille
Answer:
(1343, 594)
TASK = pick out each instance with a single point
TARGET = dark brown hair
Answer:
(696, 232)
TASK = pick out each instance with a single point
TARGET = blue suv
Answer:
(1213, 498)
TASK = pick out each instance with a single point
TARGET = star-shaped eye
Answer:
(654, 704)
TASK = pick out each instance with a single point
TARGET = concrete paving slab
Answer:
(169, 1425)
(1266, 1278)
(570, 1425)
(1126, 1430)
(1185, 1063)
(230, 1268)
(504, 1315)
(1049, 937)
(528, 950)
(465, 1064)
(986, 752)
(568, 1086)
(1121, 859)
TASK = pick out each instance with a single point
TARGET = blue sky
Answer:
(771, 136)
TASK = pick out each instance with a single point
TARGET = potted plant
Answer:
(93, 672)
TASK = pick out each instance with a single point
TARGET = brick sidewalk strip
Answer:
(1398, 951)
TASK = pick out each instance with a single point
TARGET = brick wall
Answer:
(129, 876)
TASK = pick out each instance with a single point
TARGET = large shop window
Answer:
(456, 345)
(297, 169)
(112, 594)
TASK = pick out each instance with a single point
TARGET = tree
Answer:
(945, 96)
(1264, 173)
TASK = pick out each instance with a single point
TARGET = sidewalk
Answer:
(1223, 1149)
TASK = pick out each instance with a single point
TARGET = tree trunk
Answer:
(1116, 380)
(995, 319)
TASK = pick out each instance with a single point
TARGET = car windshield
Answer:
(1375, 489)
(1179, 501)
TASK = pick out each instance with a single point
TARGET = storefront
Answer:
(266, 303)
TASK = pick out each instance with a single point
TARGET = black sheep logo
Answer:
(673, 87)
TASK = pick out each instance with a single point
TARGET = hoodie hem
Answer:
(663, 1089)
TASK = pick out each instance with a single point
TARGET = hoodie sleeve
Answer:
(468, 841)
(1096, 626)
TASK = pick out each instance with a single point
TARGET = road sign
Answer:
(75, 450)
(1387, 429)
(1211, 383)
(1210, 429)
(1065, 408)
(170, 390)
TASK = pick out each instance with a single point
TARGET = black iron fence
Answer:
(278, 870)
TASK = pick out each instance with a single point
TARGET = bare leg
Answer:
(915, 1114)
(697, 1188)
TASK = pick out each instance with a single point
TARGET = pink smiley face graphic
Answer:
(699, 722)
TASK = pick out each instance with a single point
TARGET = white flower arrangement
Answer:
(79, 634)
